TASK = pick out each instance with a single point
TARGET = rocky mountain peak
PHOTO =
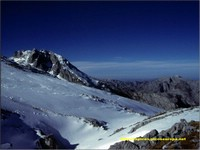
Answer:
(52, 63)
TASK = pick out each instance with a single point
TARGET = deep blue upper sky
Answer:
(121, 32)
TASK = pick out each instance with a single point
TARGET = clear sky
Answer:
(123, 40)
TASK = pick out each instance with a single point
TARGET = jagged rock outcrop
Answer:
(52, 63)
(48, 142)
(96, 123)
(182, 129)
(178, 130)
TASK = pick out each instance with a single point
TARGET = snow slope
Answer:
(49, 103)
(69, 110)
(159, 122)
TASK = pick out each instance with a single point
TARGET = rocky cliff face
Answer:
(52, 63)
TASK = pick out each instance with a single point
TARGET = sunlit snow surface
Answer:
(60, 107)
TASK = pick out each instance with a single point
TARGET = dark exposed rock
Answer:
(151, 134)
(50, 62)
(57, 66)
(50, 138)
(66, 75)
(118, 130)
(40, 60)
(124, 145)
(166, 93)
(48, 142)
(33, 56)
(179, 129)
(182, 129)
(164, 87)
(96, 123)
(5, 114)
(144, 144)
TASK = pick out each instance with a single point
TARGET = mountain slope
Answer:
(166, 93)
(69, 111)
(74, 115)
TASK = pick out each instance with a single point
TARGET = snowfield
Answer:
(78, 116)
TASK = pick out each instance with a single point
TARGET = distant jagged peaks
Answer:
(52, 63)
(166, 93)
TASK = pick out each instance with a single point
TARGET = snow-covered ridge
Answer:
(53, 64)
(22, 58)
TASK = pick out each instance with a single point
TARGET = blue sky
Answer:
(124, 40)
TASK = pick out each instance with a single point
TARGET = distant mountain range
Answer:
(166, 93)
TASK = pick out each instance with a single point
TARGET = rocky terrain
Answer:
(182, 129)
(54, 64)
(166, 93)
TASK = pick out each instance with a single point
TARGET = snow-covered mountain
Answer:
(39, 110)
(78, 114)
(51, 63)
